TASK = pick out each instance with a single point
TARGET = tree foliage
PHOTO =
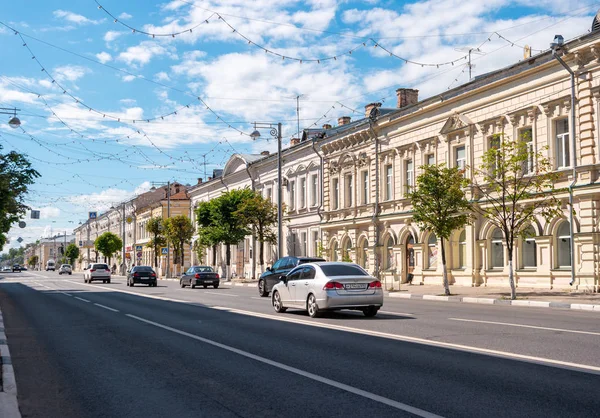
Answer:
(16, 175)
(209, 235)
(179, 231)
(440, 205)
(512, 187)
(33, 260)
(71, 253)
(260, 215)
(156, 228)
(108, 244)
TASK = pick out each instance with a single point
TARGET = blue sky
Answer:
(94, 83)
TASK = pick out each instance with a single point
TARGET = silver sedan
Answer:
(318, 287)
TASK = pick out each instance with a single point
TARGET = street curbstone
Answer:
(400, 295)
(585, 307)
(535, 303)
(9, 407)
(487, 301)
(435, 297)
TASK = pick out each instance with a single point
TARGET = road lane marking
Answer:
(396, 313)
(369, 395)
(82, 299)
(131, 293)
(220, 294)
(525, 326)
(106, 307)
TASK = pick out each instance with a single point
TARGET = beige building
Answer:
(48, 249)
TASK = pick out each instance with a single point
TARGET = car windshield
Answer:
(66, 265)
(343, 270)
(203, 269)
(100, 266)
(143, 268)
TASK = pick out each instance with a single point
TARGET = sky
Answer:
(115, 95)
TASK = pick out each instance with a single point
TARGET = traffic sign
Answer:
(22, 224)
(138, 248)
(35, 214)
(164, 250)
(139, 254)
(93, 215)
(20, 240)
(129, 219)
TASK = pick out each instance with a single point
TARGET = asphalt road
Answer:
(105, 350)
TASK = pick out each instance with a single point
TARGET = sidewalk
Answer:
(9, 407)
(534, 297)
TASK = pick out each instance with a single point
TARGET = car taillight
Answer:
(136, 275)
(333, 285)
(197, 276)
(152, 274)
(218, 276)
(92, 269)
(375, 285)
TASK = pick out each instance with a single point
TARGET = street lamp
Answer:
(275, 131)
(556, 46)
(122, 266)
(153, 188)
(13, 122)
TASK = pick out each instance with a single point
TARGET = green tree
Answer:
(108, 244)
(72, 252)
(155, 228)
(209, 234)
(16, 175)
(33, 260)
(260, 215)
(440, 205)
(179, 231)
(512, 187)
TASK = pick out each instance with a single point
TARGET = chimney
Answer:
(369, 107)
(327, 126)
(344, 120)
(265, 153)
(294, 141)
(199, 180)
(209, 179)
(407, 97)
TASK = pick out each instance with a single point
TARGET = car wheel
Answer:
(108, 281)
(132, 283)
(277, 304)
(192, 285)
(370, 311)
(70, 274)
(216, 286)
(181, 284)
(261, 289)
(312, 307)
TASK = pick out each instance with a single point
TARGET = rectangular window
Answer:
(335, 193)
(269, 195)
(292, 195)
(302, 193)
(562, 143)
(494, 144)
(349, 190)
(303, 244)
(365, 187)
(409, 176)
(389, 183)
(315, 243)
(526, 136)
(314, 188)
(430, 159)
(460, 157)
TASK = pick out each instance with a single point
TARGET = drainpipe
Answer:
(573, 161)
(322, 197)
(372, 120)
(253, 237)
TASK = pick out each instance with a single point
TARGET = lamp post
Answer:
(168, 184)
(13, 122)
(275, 131)
(556, 46)
(122, 266)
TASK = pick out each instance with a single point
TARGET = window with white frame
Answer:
(389, 182)
(561, 129)
(526, 136)
(314, 188)
(462, 249)
(349, 190)
(335, 193)
(529, 249)
(494, 144)
(409, 175)
(365, 187)
(292, 195)
(303, 244)
(432, 252)
(460, 157)
(389, 253)
(302, 191)
(315, 243)
(269, 194)
(563, 245)
(430, 159)
(497, 250)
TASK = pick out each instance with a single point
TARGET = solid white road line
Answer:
(213, 292)
(130, 293)
(377, 398)
(81, 299)
(525, 326)
(106, 307)
(396, 313)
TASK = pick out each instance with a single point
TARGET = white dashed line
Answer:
(81, 299)
(525, 326)
(106, 307)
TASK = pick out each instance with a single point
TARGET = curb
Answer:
(9, 407)
(491, 301)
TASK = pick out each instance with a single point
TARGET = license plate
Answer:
(355, 286)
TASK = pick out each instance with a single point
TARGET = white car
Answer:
(318, 287)
(65, 268)
(96, 271)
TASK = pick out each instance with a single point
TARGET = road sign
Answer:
(35, 214)
(164, 250)
(138, 248)
(19, 240)
(22, 224)
(129, 219)
(93, 215)
(139, 254)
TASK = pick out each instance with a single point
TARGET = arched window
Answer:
(497, 249)
(529, 249)
(362, 254)
(334, 251)
(563, 245)
(462, 249)
(346, 250)
(432, 251)
(389, 252)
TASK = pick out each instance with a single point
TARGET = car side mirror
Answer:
(269, 268)
(284, 279)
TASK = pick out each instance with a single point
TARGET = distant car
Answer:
(281, 267)
(23, 268)
(200, 276)
(16, 267)
(96, 271)
(6, 269)
(141, 274)
(318, 287)
(65, 269)
(50, 265)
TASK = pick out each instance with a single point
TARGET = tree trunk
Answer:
(511, 277)
(214, 257)
(228, 261)
(155, 254)
(444, 270)
(262, 256)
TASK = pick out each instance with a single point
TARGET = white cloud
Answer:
(142, 54)
(74, 18)
(49, 212)
(111, 35)
(103, 200)
(104, 57)
(162, 76)
(127, 78)
(125, 16)
(70, 72)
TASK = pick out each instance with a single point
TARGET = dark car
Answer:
(16, 267)
(141, 274)
(199, 276)
(281, 267)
